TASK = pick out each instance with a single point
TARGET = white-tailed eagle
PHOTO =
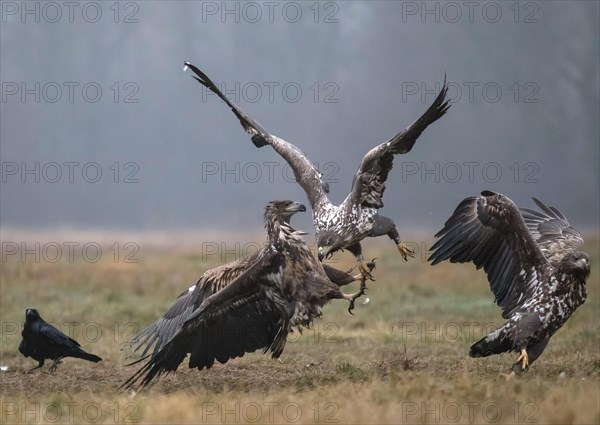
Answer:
(252, 305)
(346, 225)
(533, 263)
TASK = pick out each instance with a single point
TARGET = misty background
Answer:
(100, 128)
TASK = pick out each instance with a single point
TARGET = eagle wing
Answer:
(163, 329)
(369, 181)
(552, 231)
(307, 175)
(490, 232)
(244, 316)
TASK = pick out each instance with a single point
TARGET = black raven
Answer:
(43, 341)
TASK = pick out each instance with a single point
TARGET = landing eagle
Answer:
(533, 263)
(244, 306)
(346, 225)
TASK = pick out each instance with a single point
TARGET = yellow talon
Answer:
(365, 271)
(524, 358)
(405, 251)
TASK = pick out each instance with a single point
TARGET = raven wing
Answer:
(54, 337)
(369, 181)
(489, 231)
(307, 175)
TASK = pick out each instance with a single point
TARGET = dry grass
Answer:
(401, 359)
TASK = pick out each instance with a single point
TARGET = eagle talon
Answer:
(524, 359)
(509, 376)
(353, 297)
(351, 307)
(405, 251)
(371, 264)
(365, 270)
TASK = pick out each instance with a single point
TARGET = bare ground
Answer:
(402, 358)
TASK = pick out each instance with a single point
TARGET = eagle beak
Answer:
(321, 253)
(324, 252)
(581, 263)
(297, 207)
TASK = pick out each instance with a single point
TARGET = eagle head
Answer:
(578, 264)
(582, 262)
(283, 210)
(328, 242)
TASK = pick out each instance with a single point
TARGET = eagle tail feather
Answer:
(486, 347)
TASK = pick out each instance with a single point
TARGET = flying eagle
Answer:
(43, 341)
(234, 311)
(346, 225)
(533, 264)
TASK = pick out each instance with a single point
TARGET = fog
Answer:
(101, 129)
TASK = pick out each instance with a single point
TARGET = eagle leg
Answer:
(517, 368)
(364, 269)
(361, 291)
(353, 297)
(385, 226)
(405, 251)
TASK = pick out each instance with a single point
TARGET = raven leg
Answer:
(41, 363)
(385, 226)
(364, 269)
(55, 364)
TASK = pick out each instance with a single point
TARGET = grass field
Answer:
(402, 358)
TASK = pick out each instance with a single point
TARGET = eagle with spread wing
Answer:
(533, 263)
(212, 281)
(346, 225)
(238, 309)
